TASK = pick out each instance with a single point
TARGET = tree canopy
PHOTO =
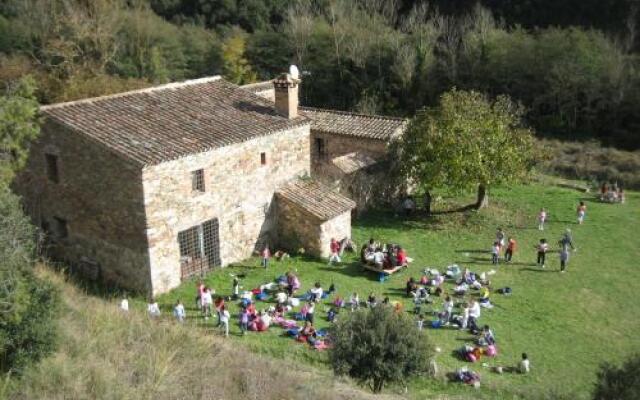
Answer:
(378, 345)
(18, 126)
(467, 141)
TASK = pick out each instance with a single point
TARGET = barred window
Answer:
(197, 180)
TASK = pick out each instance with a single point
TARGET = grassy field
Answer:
(567, 323)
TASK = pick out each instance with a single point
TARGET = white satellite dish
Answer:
(293, 71)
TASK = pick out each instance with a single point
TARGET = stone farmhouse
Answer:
(146, 188)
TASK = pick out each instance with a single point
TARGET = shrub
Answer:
(619, 383)
(27, 304)
(378, 346)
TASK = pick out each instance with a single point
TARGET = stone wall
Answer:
(297, 228)
(339, 145)
(99, 194)
(337, 228)
(239, 192)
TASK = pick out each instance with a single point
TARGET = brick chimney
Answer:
(286, 93)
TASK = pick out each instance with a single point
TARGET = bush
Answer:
(378, 346)
(28, 305)
(619, 383)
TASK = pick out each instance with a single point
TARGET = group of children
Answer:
(611, 193)
(387, 256)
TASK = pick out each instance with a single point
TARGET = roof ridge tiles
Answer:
(350, 113)
(167, 86)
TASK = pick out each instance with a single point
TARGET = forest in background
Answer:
(573, 64)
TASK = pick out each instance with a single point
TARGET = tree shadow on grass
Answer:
(387, 219)
(473, 251)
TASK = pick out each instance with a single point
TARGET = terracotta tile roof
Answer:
(259, 86)
(153, 125)
(352, 162)
(351, 124)
(316, 198)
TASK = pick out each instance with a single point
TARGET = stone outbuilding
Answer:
(310, 214)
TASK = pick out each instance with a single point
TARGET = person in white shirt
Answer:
(224, 320)
(495, 252)
(207, 302)
(542, 217)
(178, 312)
(464, 319)
(542, 248)
(281, 297)
(378, 258)
(447, 310)
(354, 301)
(474, 315)
(311, 309)
(317, 292)
(266, 319)
(524, 364)
(124, 305)
(153, 309)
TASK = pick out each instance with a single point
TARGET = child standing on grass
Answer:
(542, 217)
(523, 368)
(495, 252)
(178, 312)
(334, 248)
(564, 259)
(207, 301)
(500, 239)
(224, 320)
(244, 320)
(542, 248)
(511, 248)
(236, 287)
(582, 210)
(266, 255)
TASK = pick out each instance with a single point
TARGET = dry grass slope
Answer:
(104, 354)
(592, 162)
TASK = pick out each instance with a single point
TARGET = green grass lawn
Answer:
(567, 323)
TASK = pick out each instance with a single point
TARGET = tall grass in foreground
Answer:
(104, 354)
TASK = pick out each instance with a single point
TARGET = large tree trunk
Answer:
(427, 203)
(483, 197)
(378, 383)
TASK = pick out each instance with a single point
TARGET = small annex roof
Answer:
(353, 162)
(162, 123)
(315, 198)
(352, 124)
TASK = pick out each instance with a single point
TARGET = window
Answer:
(197, 180)
(321, 149)
(199, 248)
(52, 167)
(60, 230)
(263, 158)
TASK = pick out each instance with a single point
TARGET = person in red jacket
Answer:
(511, 248)
(334, 248)
(401, 257)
